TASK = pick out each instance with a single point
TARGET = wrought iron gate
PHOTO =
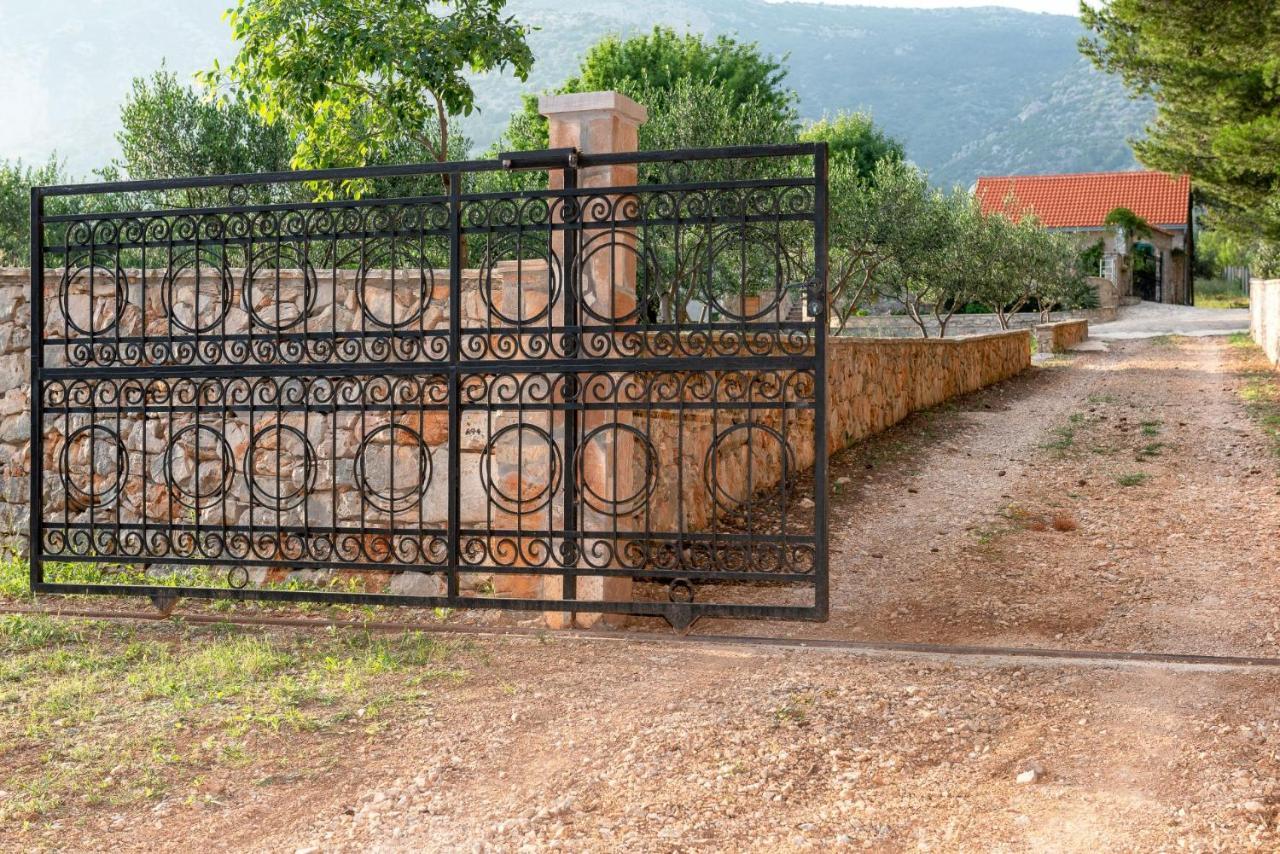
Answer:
(551, 382)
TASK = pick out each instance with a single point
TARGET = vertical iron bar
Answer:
(35, 471)
(454, 564)
(820, 323)
(569, 583)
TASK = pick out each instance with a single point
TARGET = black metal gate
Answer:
(552, 382)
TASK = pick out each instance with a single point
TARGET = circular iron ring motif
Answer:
(275, 258)
(191, 259)
(618, 505)
(711, 466)
(426, 285)
(196, 498)
(645, 273)
(542, 493)
(94, 271)
(92, 497)
(261, 494)
(238, 577)
(744, 240)
(394, 500)
(496, 251)
(680, 591)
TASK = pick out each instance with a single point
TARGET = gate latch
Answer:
(551, 158)
(817, 305)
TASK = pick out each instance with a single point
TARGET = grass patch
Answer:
(1223, 301)
(1262, 402)
(1219, 293)
(1132, 479)
(1263, 405)
(1240, 339)
(14, 584)
(1151, 449)
(103, 714)
(1151, 428)
(1063, 439)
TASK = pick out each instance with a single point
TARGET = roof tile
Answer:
(1085, 199)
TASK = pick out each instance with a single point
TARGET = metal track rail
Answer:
(970, 652)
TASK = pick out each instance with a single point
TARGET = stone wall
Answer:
(1108, 296)
(872, 384)
(15, 417)
(372, 431)
(902, 326)
(1264, 316)
(1061, 336)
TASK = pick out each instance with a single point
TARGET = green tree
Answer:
(1004, 282)
(1130, 224)
(853, 141)
(168, 130)
(654, 64)
(1060, 283)
(697, 114)
(878, 226)
(16, 181)
(1211, 70)
(354, 81)
(953, 261)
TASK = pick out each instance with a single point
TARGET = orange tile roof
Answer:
(1083, 200)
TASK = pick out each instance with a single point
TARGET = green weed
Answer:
(98, 713)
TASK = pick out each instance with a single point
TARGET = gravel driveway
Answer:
(1152, 319)
(1124, 499)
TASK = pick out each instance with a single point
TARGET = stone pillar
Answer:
(599, 123)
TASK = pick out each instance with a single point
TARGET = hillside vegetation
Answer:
(969, 91)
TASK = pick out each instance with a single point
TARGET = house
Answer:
(1159, 266)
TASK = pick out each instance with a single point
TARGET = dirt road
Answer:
(1119, 500)
(1124, 499)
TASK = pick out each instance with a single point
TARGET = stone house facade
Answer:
(1158, 269)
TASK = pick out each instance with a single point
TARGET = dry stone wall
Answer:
(964, 325)
(1062, 336)
(872, 384)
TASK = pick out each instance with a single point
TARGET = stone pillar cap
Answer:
(592, 102)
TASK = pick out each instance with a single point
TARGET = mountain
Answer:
(969, 91)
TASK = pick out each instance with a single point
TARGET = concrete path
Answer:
(1151, 319)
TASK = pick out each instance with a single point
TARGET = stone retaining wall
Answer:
(873, 384)
(1062, 336)
(902, 326)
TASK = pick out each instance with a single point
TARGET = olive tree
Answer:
(879, 231)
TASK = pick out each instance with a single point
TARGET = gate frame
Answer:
(679, 614)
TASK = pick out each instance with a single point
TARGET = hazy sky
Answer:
(65, 65)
